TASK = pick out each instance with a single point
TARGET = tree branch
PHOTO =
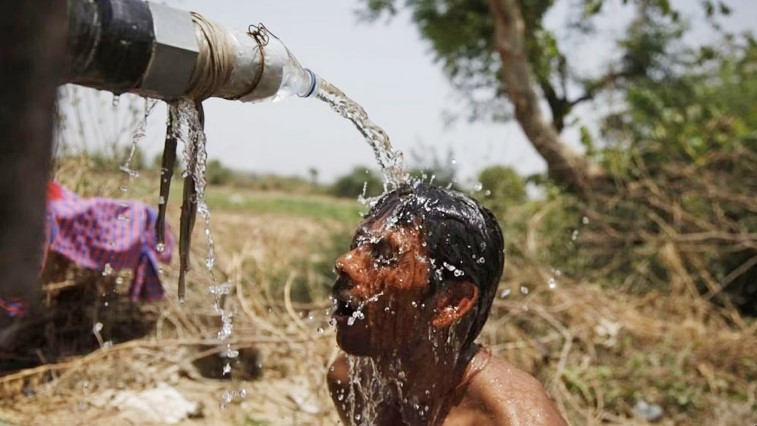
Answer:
(559, 106)
(565, 166)
(609, 79)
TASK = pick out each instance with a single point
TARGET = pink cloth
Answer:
(108, 235)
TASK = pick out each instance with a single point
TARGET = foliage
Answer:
(217, 174)
(461, 35)
(683, 158)
(689, 116)
(502, 187)
(428, 166)
(359, 181)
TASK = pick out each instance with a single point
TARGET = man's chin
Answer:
(353, 340)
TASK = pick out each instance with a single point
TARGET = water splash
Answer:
(138, 134)
(388, 158)
(367, 382)
(191, 133)
(552, 283)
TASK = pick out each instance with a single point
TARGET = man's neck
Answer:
(421, 381)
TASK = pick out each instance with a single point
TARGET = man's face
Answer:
(381, 289)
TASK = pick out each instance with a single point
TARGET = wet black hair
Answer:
(463, 239)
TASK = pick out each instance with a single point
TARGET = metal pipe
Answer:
(166, 53)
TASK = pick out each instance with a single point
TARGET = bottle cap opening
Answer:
(313, 83)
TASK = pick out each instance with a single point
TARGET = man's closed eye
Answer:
(384, 254)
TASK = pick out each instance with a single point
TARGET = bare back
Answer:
(501, 394)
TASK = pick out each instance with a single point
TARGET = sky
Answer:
(390, 72)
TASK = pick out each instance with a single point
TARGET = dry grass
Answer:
(598, 351)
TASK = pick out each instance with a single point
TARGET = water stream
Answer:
(389, 159)
(190, 131)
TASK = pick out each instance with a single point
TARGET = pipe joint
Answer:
(174, 55)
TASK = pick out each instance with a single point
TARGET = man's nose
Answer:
(348, 263)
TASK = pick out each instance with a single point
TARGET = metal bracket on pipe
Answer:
(174, 53)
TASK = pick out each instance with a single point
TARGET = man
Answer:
(411, 296)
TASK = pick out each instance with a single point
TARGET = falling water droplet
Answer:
(160, 247)
(478, 186)
(319, 330)
(524, 290)
(505, 293)
(220, 289)
(226, 398)
(551, 283)
(585, 220)
(107, 270)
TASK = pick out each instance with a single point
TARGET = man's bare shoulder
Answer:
(513, 396)
(338, 376)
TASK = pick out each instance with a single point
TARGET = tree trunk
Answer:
(31, 57)
(565, 166)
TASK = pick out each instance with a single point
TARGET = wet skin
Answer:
(495, 393)
(384, 276)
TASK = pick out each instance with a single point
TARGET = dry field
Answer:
(599, 352)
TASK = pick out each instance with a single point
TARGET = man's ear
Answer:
(453, 303)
